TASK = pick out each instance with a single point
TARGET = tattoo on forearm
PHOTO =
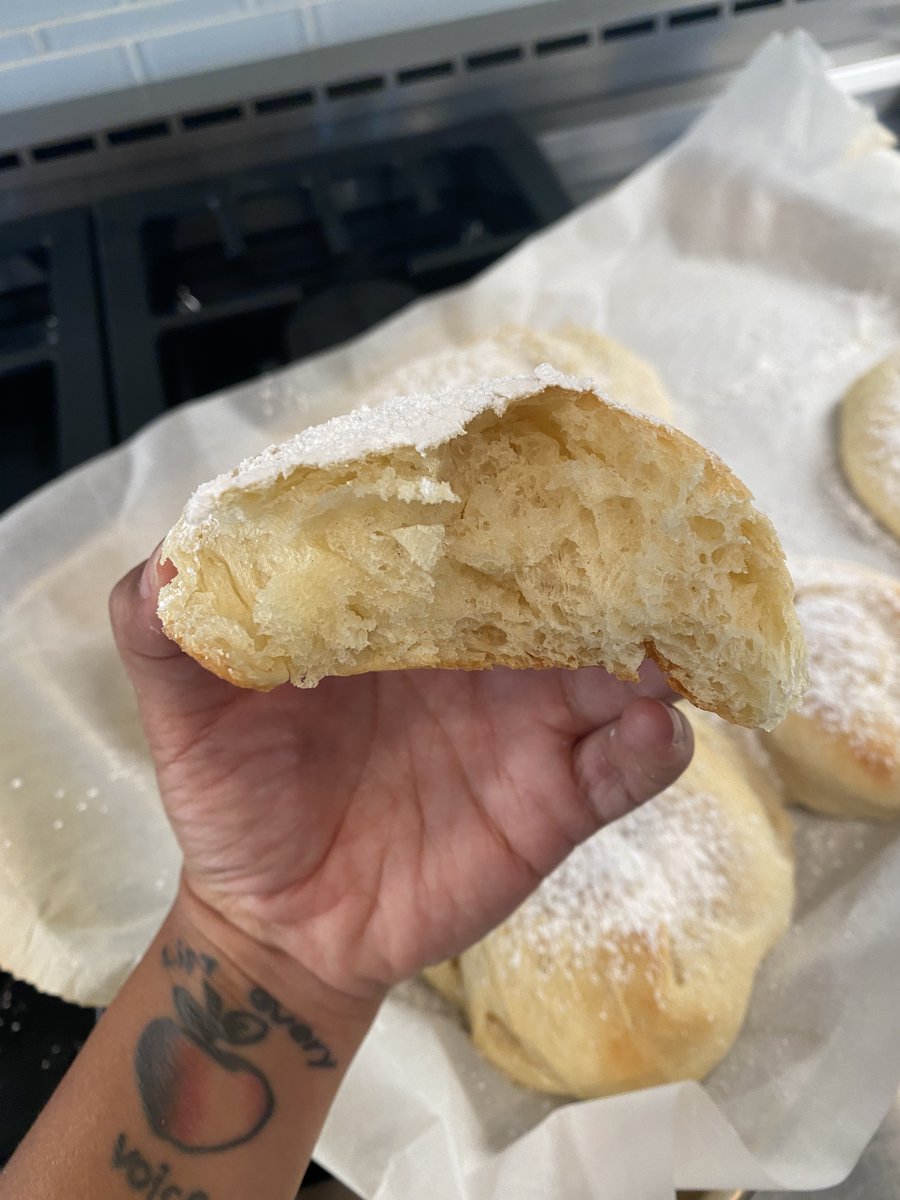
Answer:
(188, 960)
(142, 1176)
(198, 1094)
(268, 1006)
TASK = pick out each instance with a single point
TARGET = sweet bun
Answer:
(523, 522)
(632, 964)
(870, 440)
(513, 350)
(840, 752)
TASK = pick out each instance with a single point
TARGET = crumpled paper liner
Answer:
(757, 265)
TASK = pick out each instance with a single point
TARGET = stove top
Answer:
(52, 389)
(214, 282)
(114, 313)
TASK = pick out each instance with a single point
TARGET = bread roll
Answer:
(870, 440)
(632, 964)
(512, 350)
(524, 522)
(840, 752)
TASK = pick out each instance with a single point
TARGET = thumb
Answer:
(160, 671)
(632, 759)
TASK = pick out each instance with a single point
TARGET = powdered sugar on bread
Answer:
(632, 964)
(523, 522)
(420, 421)
(839, 753)
(655, 875)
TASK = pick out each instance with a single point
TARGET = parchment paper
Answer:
(757, 266)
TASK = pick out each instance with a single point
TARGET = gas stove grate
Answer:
(218, 281)
(53, 402)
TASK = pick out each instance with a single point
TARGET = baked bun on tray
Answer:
(522, 522)
(839, 753)
(633, 963)
(870, 440)
(613, 369)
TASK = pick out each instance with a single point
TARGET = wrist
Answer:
(270, 980)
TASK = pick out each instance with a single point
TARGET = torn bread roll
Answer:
(522, 522)
(633, 963)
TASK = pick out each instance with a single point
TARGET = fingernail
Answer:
(149, 581)
(680, 729)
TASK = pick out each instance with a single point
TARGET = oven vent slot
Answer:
(436, 70)
(363, 86)
(558, 45)
(128, 135)
(66, 149)
(494, 58)
(212, 116)
(284, 102)
(693, 16)
(629, 29)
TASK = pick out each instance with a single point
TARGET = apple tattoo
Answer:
(184, 1071)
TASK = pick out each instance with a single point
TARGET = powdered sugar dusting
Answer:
(851, 619)
(419, 421)
(654, 874)
(416, 420)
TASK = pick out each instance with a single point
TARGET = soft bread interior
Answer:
(566, 531)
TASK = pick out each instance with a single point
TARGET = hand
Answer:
(382, 822)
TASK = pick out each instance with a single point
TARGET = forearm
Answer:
(208, 1078)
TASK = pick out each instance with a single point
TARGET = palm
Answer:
(380, 822)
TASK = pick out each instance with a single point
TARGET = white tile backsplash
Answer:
(20, 14)
(54, 50)
(337, 21)
(134, 21)
(55, 77)
(226, 43)
(14, 47)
